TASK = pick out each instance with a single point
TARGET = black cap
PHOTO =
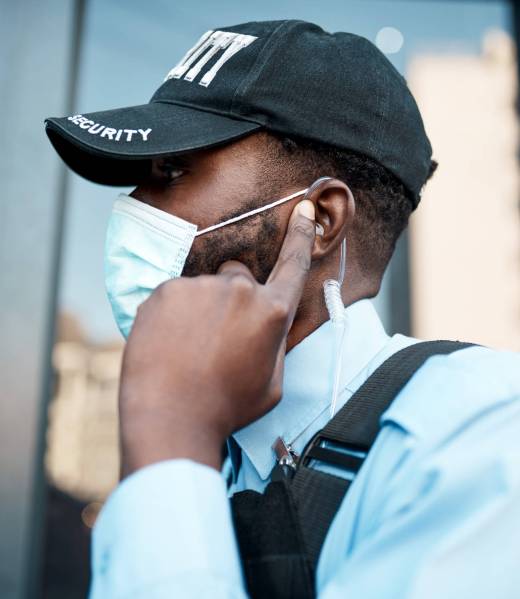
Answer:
(290, 77)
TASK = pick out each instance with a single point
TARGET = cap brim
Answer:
(114, 147)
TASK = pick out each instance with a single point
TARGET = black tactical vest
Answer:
(281, 531)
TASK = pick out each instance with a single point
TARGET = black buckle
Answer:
(346, 457)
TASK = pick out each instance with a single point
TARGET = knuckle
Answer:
(206, 286)
(276, 394)
(279, 311)
(305, 228)
(205, 282)
(171, 290)
(241, 285)
(297, 258)
(165, 289)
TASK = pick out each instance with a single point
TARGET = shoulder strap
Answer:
(357, 423)
(346, 440)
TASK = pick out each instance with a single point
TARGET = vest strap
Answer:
(281, 532)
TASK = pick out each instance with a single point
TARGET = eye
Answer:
(175, 173)
(171, 169)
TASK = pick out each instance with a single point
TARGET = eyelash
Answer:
(171, 168)
(174, 171)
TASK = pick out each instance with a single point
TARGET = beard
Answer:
(255, 242)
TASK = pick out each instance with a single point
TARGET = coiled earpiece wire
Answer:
(336, 309)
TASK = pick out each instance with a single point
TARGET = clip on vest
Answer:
(287, 460)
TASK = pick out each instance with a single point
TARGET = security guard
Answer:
(287, 160)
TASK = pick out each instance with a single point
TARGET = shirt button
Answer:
(104, 561)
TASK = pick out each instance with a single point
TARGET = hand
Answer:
(205, 356)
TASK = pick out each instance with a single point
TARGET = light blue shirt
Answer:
(434, 511)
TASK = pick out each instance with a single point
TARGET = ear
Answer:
(335, 208)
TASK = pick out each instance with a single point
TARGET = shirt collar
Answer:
(308, 380)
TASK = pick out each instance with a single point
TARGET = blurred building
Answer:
(81, 458)
(82, 435)
(465, 237)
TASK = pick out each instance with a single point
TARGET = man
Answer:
(254, 119)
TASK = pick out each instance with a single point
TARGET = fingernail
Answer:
(306, 208)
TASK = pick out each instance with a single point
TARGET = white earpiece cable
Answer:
(252, 213)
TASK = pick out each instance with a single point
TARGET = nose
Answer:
(151, 195)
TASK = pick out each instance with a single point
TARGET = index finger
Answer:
(292, 267)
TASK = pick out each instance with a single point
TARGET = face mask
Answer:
(145, 247)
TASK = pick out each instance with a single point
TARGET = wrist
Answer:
(148, 437)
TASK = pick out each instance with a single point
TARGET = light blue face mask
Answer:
(145, 247)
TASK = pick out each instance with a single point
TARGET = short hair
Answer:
(383, 203)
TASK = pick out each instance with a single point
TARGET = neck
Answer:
(312, 312)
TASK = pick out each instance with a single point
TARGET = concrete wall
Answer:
(465, 237)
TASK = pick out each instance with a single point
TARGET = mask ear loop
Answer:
(252, 212)
(336, 309)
